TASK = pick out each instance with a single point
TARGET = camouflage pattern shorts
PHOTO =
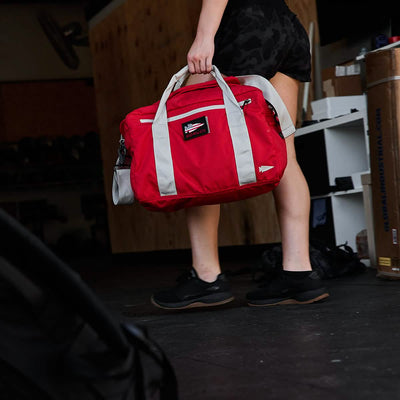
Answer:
(262, 37)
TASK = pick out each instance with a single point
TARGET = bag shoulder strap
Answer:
(272, 96)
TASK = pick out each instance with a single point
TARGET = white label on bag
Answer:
(265, 168)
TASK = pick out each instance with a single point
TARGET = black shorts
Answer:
(257, 37)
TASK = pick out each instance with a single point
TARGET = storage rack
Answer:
(346, 146)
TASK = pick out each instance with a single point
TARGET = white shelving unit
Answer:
(347, 154)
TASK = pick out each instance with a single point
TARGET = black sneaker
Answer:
(286, 288)
(191, 291)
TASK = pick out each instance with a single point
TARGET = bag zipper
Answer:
(196, 111)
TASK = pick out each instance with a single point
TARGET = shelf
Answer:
(336, 147)
(388, 46)
(347, 192)
(352, 119)
(336, 194)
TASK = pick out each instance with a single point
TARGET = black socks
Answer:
(294, 275)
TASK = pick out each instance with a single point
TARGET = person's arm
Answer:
(201, 52)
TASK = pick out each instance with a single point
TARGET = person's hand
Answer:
(200, 56)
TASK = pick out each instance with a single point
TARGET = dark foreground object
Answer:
(58, 341)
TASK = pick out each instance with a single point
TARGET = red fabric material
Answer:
(204, 166)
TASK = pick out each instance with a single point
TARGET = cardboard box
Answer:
(342, 80)
(383, 83)
(332, 107)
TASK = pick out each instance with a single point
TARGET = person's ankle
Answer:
(208, 276)
(297, 274)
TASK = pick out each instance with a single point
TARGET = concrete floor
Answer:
(344, 348)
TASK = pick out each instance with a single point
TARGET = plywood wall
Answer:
(135, 50)
(306, 11)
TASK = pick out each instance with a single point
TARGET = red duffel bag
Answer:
(208, 143)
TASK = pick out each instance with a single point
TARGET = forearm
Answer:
(202, 50)
(210, 17)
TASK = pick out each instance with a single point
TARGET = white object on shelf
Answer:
(332, 107)
(356, 178)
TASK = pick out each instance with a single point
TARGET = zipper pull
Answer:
(245, 103)
(121, 152)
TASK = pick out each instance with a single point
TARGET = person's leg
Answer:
(204, 285)
(203, 224)
(292, 197)
(297, 283)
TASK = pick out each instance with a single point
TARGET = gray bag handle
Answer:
(271, 95)
(237, 126)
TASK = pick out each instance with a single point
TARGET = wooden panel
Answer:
(306, 11)
(135, 51)
(47, 108)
